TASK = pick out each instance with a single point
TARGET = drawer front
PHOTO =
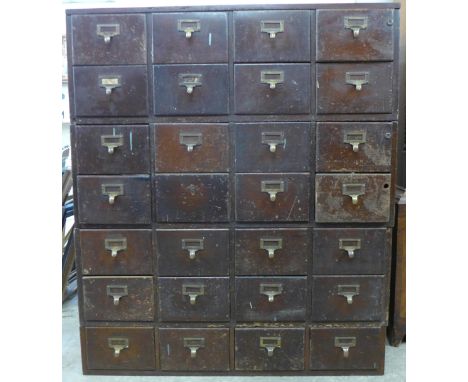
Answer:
(110, 91)
(194, 349)
(191, 89)
(192, 198)
(118, 298)
(120, 348)
(351, 348)
(108, 39)
(272, 36)
(116, 252)
(194, 298)
(348, 298)
(192, 147)
(269, 349)
(273, 147)
(355, 35)
(193, 252)
(271, 298)
(272, 251)
(355, 88)
(112, 149)
(350, 251)
(352, 198)
(272, 89)
(272, 197)
(190, 38)
(114, 199)
(354, 147)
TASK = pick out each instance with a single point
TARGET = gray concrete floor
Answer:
(395, 362)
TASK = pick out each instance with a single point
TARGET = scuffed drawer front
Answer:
(194, 298)
(272, 36)
(192, 198)
(118, 298)
(271, 298)
(355, 35)
(120, 348)
(111, 91)
(352, 198)
(116, 252)
(354, 147)
(348, 251)
(355, 88)
(350, 348)
(192, 147)
(269, 349)
(115, 149)
(193, 252)
(272, 89)
(190, 38)
(194, 349)
(348, 298)
(272, 197)
(108, 39)
(114, 199)
(191, 89)
(272, 251)
(273, 147)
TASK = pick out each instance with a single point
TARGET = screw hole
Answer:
(386, 185)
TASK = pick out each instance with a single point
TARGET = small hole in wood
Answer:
(386, 185)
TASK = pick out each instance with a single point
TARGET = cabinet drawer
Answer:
(350, 348)
(272, 36)
(191, 89)
(193, 252)
(269, 349)
(272, 89)
(194, 298)
(112, 149)
(194, 349)
(108, 39)
(114, 199)
(272, 251)
(118, 298)
(272, 197)
(190, 38)
(192, 198)
(355, 35)
(110, 91)
(352, 198)
(273, 147)
(116, 252)
(192, 147)
(348, 298)
(355, 88)
(120, 348)
(271, 298)
(354, 147)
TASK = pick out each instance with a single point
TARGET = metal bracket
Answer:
(193, 291)
(111, 142)
(192, 246)
(273, 139)
(355, 23)
(350, 246)
(112, 191)
(271, 290)
(190, 140)
(355, 139)
(348, 291)
(272, 187)
(194, 343)
(270, 344)
(118, 344)
(272, 77)
(271, 245)
(345, 343)
(357, 79)
(110, 83)
(117, 292)
(272, 27)
(107, 31)
(190, 81)
(354, 191)
(188, 27)
(115, 245)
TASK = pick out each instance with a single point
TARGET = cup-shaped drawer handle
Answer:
(110, 83)
(355, 139)
(271, 245)
(271, 290)
(190, 140)
(193, 291)
(355, 23)
(272, 77)
(192, 246)
(350, 246)
(354, 190)
(117, 344)
(272, 27)
(273, 139)
(348, 291)
(270, 344)
(107, 31)
(345, 343)
(115, 245)
(112, 191)
(190, 81)
(193, 344)
(117, 292)
(357, 79)
(188, 27)
(272, 187)
(111, 142)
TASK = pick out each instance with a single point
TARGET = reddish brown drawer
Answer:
(354, 147)
(190, 38)
(192, 147)
(350, 348)
(120, 348)
(269, 349)
(194, 298)
(108, 298)
(112, 149)
(355, 88)
(272, 251)
(116, 252)
(348, 298)
(355, 35)
(184, 349)
(193, 252)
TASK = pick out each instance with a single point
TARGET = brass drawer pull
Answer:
(273, 140)
(112, 191)
(190, 140)
(107, 31)
(348, 291)
(354, 191)
(118, 344)
(115, 245)
(190, 81)
(272, 77)
(355, 23)
(272, 187)
(194, 343)
(271, 245)
(350, 246)
(355, 139)
(117, 292)
(111, 142)
(110, 83)
(357, 79)
(193, 291)
(345, 343)
(192, 246)
(272, 27)
(270, 344)
(271, 290)
(188, 27)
